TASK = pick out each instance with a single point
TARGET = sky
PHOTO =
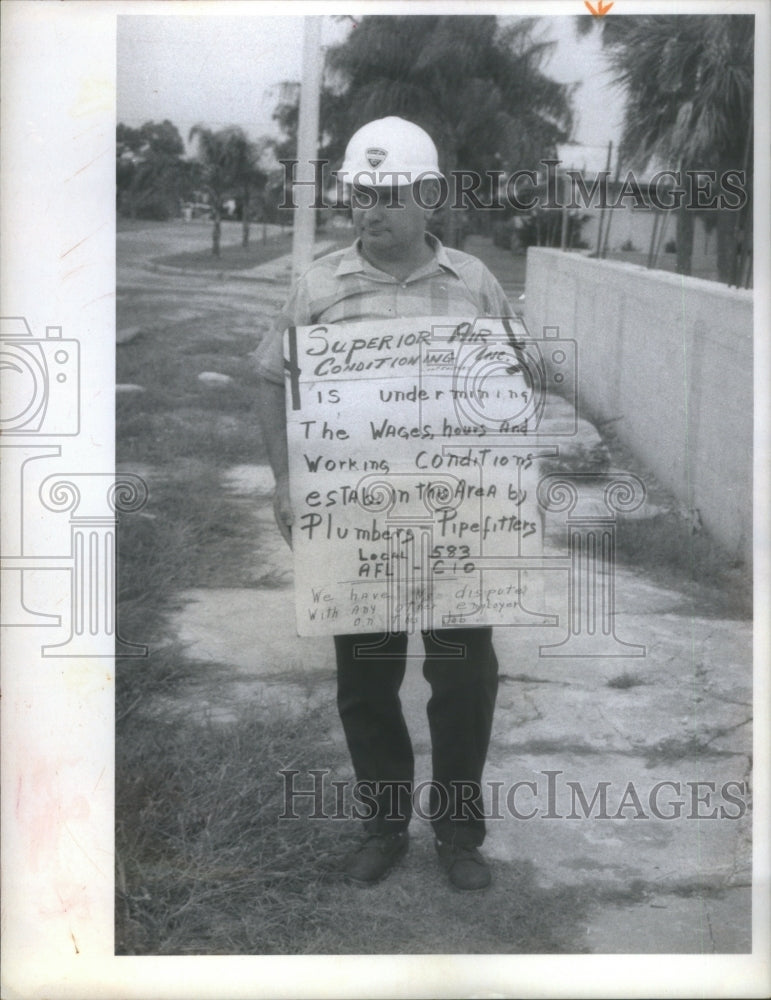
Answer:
(599, 104)
(221, 71)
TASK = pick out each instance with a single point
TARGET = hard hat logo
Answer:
(376, 156)
(405, 148)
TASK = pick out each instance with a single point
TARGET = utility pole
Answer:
(599, 250)
(307, 147)
(564, 233)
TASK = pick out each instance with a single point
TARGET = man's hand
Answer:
(273, 424)
(282, 508)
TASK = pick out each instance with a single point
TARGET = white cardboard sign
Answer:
(413, 473)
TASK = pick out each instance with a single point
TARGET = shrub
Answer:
(543, 227)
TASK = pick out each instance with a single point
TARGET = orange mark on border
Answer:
(601, 11)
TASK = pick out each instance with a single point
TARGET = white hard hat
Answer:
(389, 152)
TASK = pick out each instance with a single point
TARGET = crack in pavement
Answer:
(528, 679)
(723, 731)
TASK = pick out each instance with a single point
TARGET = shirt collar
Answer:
(353, 261)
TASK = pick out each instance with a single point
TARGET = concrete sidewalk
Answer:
(664, 859)
(625, 778)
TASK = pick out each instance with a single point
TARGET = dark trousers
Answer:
(462, 669)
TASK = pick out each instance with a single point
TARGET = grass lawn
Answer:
(179, 417)
(210, 868)
(233, 257)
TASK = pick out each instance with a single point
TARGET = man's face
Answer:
(388, 220)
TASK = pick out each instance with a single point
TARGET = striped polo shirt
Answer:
(344, 287)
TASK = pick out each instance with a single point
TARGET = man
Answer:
(395, 269)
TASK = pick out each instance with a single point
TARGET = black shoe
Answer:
(376, 856)
(465, 866)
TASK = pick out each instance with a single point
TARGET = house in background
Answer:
(642, 234)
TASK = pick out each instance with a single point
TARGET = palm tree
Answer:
(151, 174)
(689, 87)
(247, 177)
(476, 87)
(229, 162)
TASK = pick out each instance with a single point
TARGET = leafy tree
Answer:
(286, 115)
(248, 179)
(476, 87)
(229, 163)
(151, 174)
(689, 88)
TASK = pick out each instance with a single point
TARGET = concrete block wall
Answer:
(670, 358)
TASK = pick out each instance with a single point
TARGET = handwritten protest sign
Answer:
(413, 473)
